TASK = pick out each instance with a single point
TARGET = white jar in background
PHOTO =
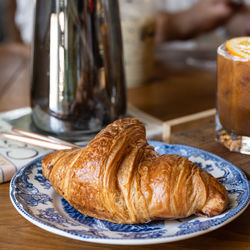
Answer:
(138, 29)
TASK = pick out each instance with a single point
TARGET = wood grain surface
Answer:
(173, 93)
(177, 88)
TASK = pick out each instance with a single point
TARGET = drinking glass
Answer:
(233, 101)
(138, 19)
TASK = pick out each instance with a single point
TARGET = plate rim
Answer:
(124, 241)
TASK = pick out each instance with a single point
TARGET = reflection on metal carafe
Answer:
(77, 82)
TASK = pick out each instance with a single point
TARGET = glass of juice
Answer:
(233, 95)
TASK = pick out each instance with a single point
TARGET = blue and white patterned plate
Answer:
(35, 199)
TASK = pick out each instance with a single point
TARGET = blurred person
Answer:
(200, 17)
(177, 19)
(239, 25)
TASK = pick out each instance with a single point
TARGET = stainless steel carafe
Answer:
(77, 81)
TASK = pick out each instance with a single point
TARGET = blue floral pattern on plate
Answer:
(35, 199)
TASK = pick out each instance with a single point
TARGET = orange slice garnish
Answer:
(239, 46)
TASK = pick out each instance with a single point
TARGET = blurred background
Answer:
(186, 34)
(225, 18)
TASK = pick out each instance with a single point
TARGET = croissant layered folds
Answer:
(118, 177)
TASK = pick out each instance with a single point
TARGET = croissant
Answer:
(119, 177)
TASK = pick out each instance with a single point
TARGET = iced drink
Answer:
(233, 100)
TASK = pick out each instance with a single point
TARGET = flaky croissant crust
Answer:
(118, 177)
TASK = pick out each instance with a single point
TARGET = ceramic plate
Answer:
(35, 199)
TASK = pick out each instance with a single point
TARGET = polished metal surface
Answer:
(78, 83)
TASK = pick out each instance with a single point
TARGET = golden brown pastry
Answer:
(118, 177)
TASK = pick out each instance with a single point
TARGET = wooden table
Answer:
(173, 93)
